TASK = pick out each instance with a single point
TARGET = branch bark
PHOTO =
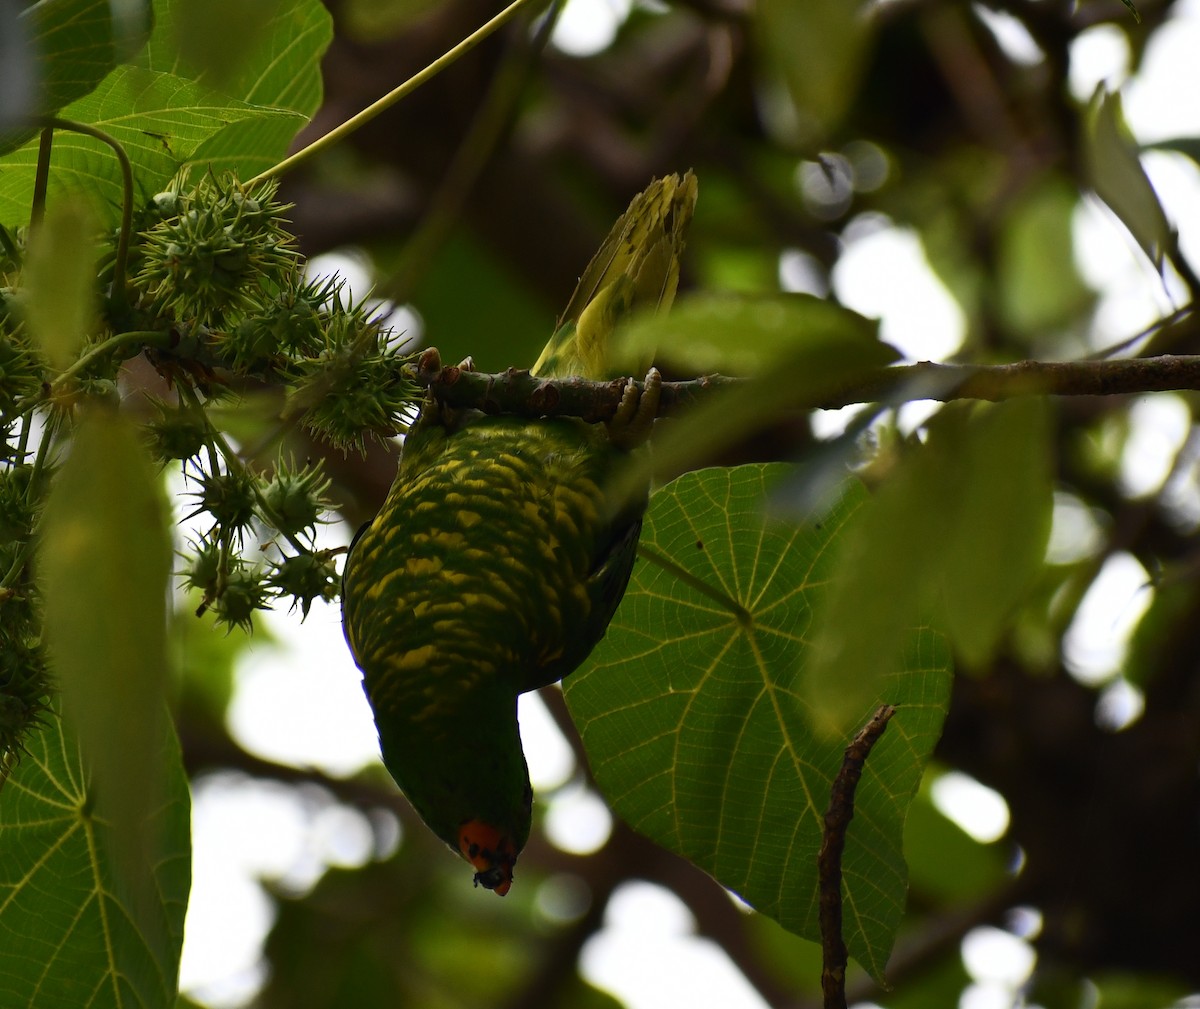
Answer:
(829, 859)
(520, 393)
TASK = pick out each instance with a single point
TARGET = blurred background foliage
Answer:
(476, 201)
(965, 126)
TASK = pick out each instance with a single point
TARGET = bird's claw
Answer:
(433, 411)
(631, 424)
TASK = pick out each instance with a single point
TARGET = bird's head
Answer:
(459, 762)
(491, 851)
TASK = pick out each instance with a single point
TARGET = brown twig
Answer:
(520, 393)
(207, 749)
(829, 859)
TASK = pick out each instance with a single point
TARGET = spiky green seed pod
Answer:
(17, 508)
(21, 369)
(176, 433)
(359, 386)
(305, 578)
(24, 690)
(230, 498)
(222, 255)
(242, 594)
(296, 498)
(206, 565)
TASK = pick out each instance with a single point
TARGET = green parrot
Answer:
(500, 555)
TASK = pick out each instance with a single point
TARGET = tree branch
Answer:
(205, 749)
(520, 393)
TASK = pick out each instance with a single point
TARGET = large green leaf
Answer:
(800, 350)
(246, 147)
(743, 335)
(94, 821)
(160, 120)
(1039, 286)
(278, 55)
(74, 46)
(69, 936)
(68, 47)
(165, 119)
(692, 709)
(1116, 174)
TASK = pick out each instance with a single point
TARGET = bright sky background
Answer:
(300, 701)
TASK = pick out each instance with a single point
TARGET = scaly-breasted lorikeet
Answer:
(500, 556)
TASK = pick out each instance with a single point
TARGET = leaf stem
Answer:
(488, 125)
(18, 564)
(157, 338)
(654, 556)
(41, 179)
(188, 392)
(39, 463)
(23, 438)
(119, 295)
(392, 97)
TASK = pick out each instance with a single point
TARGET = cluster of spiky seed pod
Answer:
(217, 267)
(283, 510)
(24, 677)
(216, 297)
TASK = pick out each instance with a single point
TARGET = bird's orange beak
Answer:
(492, 853)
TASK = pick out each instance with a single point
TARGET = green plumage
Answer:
(498, 560)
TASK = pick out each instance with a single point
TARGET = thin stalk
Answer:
(23, 437)
(43, 452)
(120, 264)
(41, 179)
(17, 566)
(8, 246)
(339, 133)
(188, 393)
(152, 337)
(489, 124)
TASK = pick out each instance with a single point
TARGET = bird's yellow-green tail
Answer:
(635, 269)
